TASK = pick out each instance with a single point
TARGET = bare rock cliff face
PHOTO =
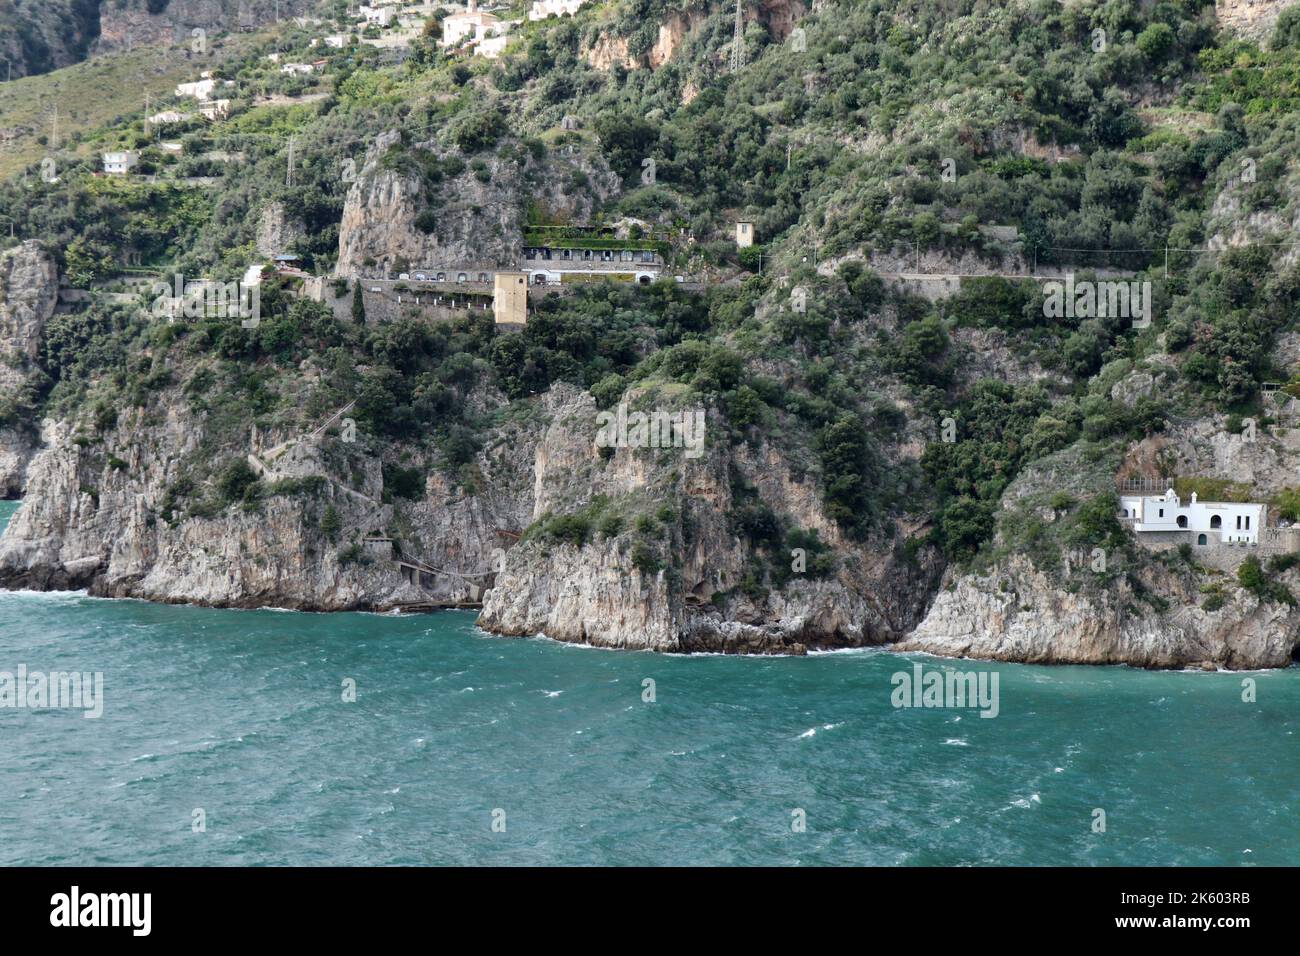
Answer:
(29, 292)
(97, 516)
(597, 593)
(477, 219)
(127, 23)
(1016, 613)
(1254, 19)
(1155, 614)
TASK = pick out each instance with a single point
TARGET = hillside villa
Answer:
(1200, 522)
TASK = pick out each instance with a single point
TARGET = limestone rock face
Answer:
(128, 23)
(278, 232)
(1016, 613)
(29, 292)
(476, 215)
(89, 522)
(1250, 18)
(688, 600)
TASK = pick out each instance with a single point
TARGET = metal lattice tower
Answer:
(737, 42)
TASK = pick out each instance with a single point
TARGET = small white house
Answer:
(1209, 522)
(202, 89)
(379, 16)
(744, 234)
(168, 118)
(120, 163)
(473, 24)
(296, 68)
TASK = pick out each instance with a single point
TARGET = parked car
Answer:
(421, 277)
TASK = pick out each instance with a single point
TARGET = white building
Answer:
(472, 24)
(542, 9)
(202, 89)
(493, 46)
(1207, 522)
(560, 263)
(292, 68)
(744, 234)
(336, 41)
(121, 162)
(379, 16)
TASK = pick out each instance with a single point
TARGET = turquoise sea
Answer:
(241, 714)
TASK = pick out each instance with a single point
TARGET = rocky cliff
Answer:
(1015, 612)
(1250, 18)
(104, 514)
(408, 206)
(678, 583)
(1095, 599)
(29, 291)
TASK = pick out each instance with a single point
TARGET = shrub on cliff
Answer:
(237, 481)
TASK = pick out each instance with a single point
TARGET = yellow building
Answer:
(744, 234)
(510, 298)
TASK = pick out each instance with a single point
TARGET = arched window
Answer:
(1216, 521)
(1200, 539)
(482, 277)
(460, 277)
(1182, 521)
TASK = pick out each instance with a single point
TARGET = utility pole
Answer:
(146, 114)
(289, 178)
(54, 138)
(737, 42)
(1166, 259)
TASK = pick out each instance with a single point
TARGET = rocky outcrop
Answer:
(278, 231)
(693, 594)
(128, 23)
(100, 515)
(1141, 610)
(607, 50)
(29, 292)
(1017, 613)
(394, 215)
(1254, 19)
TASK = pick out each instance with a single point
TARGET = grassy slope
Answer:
(93, 94)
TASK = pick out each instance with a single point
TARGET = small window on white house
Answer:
(1162, 512)
(1247, 522)
(1238, 522)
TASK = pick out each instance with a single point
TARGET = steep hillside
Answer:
(873, 425)
(37, 36)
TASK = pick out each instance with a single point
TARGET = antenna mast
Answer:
(737, 42)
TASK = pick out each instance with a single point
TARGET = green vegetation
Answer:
(898, 131)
